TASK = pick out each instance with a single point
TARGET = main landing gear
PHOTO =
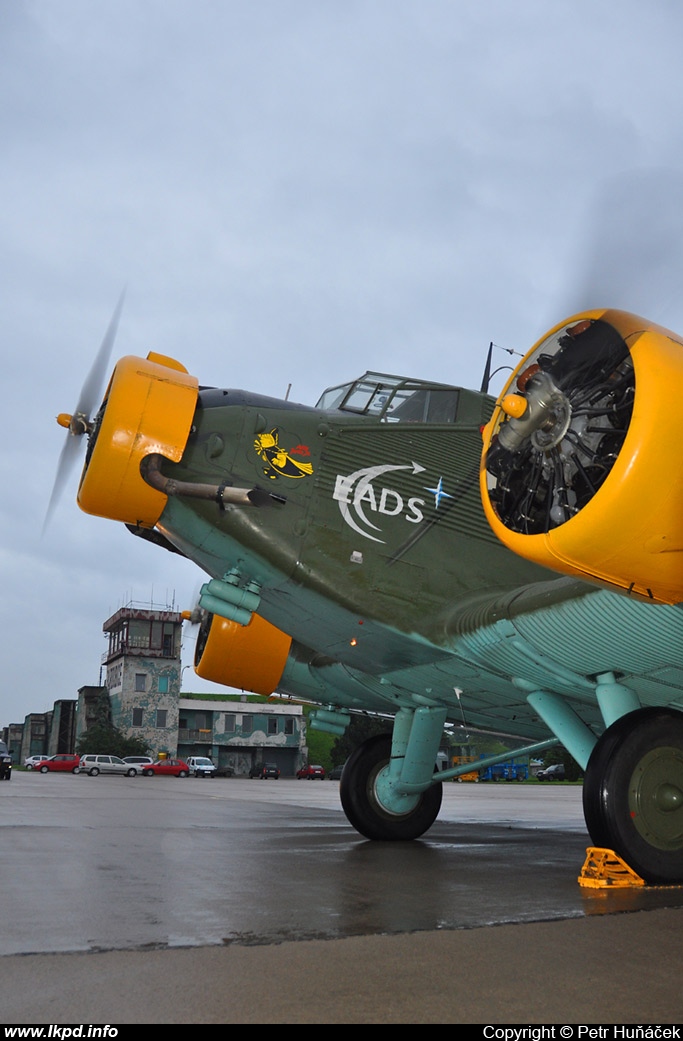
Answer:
(386, 789)
(365, 774)
(633, 793)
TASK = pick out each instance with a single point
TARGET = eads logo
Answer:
(357, 495)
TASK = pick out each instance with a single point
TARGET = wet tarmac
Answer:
(163, 887)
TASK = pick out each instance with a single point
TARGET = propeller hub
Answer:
(77, 424)
(544, 419)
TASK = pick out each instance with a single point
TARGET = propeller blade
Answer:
(91, 392)
(631, 251)
(68, 457)
(88, 401)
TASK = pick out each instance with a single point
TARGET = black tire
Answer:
(633, 793)
(132, 772)
(182, 773)
(365, 812)
(93, 772)
(148, 773)
(45, 769)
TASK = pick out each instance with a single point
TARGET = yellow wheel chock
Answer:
(604, 867)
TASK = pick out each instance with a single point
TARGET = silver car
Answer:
(32, 762)
(106, 764)
(139, 761)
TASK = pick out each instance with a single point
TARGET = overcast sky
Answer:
(295, 191)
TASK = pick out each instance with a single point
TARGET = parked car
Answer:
(335, 773)
(139, 761)
(5, 763)
(201, 766)
(224, 771)
(62, 763)
(32, 762)
(167, 767)
(107, 764)
(265, 770)
(311, 773)
(551, 773)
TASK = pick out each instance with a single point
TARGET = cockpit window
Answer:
(394, 399)
(333, 397)
(367, 396)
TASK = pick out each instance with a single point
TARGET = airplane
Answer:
(434, 555)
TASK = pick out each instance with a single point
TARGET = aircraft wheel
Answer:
(362, 807)
(633, 793)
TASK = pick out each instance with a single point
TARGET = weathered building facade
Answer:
(239, 734)
(141, 697)
(143, 674)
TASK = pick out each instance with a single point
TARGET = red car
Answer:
(173, 767)
(311, 773)
(61, 762)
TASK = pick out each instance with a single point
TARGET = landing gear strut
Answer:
(633, 793)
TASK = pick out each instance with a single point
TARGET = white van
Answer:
(200, 766)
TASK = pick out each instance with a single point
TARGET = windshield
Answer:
(393, 399)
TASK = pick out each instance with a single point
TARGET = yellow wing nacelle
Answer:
(581, 468)
(148, 409)
(249, 657)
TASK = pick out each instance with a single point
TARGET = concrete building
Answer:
(143, 674)
(94, 709)
(141, 697)
(238, 733)
(35, 736)
(62, 727)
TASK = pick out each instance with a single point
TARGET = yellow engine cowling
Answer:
(148, 408)
(581, 468)
(248, 657)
